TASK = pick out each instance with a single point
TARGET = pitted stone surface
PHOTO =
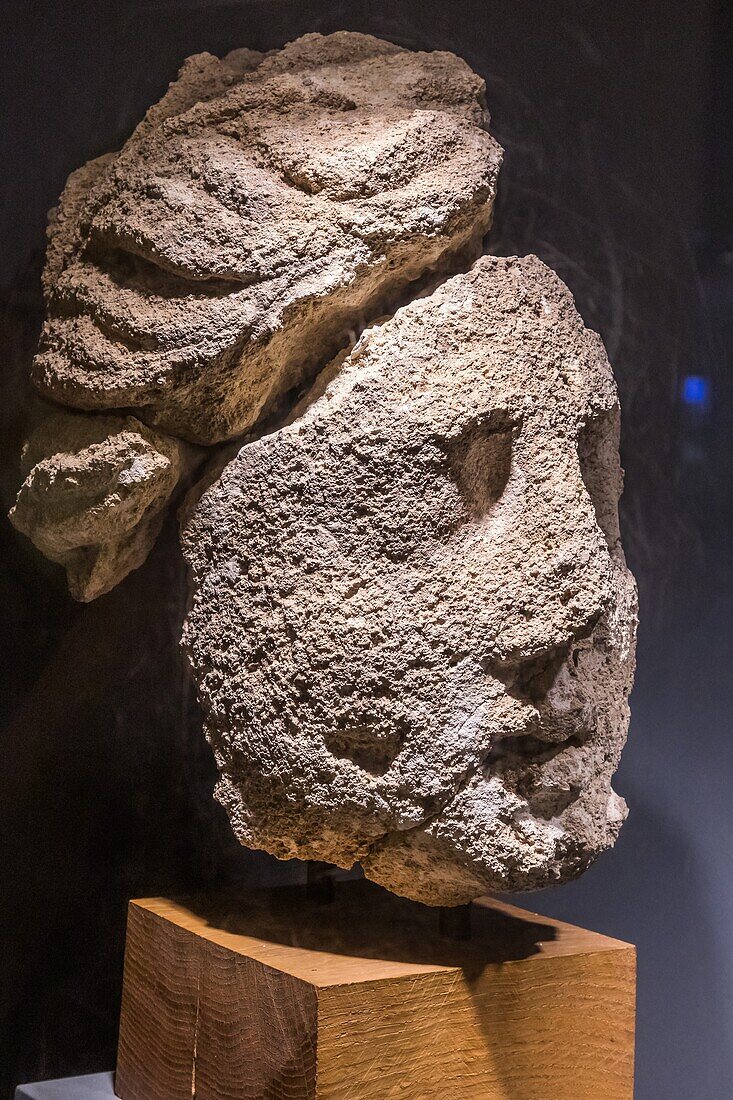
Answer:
(94, 494)
(412, 626)
(268, 205)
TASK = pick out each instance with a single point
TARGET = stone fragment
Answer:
(268, 205)
(261, 212)
(412, 627)
(94, 494)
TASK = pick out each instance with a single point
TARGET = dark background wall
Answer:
(617, 127)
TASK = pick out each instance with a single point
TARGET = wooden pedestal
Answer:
(278, 997)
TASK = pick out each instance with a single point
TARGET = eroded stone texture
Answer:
(265, 207)
(94, 494)
(413, 627)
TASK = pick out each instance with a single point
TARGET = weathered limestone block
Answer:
(412, 626)
(94, 494)
(268, 205)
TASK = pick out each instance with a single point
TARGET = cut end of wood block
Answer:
(281, 995)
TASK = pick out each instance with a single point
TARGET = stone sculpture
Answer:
(412, 626)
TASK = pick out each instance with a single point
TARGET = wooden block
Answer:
(278, 997)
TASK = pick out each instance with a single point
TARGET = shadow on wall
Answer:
(109, 796)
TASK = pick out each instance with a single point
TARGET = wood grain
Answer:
(278, 997)
(157, 1046)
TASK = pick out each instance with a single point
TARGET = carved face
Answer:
(412, 625)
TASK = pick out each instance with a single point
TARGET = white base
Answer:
(94, 1086)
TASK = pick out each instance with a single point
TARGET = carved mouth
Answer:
(372, 753)
(521, 762)
(521, 750)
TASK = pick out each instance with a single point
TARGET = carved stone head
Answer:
(412, 626)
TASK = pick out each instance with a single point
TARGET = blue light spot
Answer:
(696, 390)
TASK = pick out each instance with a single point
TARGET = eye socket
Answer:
(601, 471)
(480, 461)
